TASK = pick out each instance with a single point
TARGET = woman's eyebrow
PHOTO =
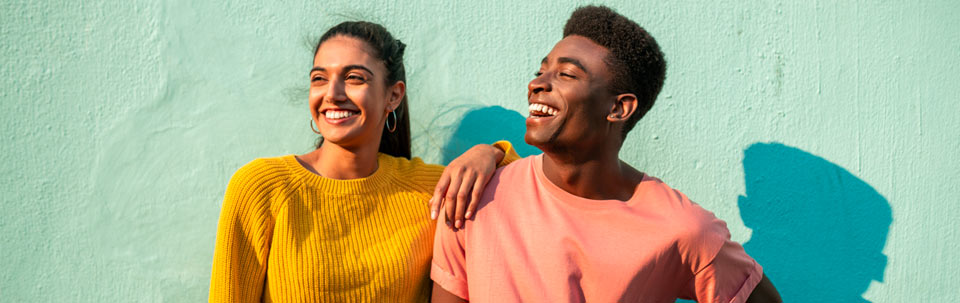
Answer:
(356, 66)
(345, 68)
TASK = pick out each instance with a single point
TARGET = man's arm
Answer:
(441, 295)
(764, 292)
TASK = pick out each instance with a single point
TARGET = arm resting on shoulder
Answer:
(465, 178)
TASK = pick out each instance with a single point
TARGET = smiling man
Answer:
(578, 224)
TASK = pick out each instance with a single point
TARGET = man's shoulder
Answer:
(691, 222)
(654, 189)
(517, 166)
(512, 175)
(661, 196)
(509, 183)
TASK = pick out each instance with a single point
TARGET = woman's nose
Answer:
(336, 91)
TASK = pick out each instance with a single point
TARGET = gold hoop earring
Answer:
(395, 120)
(313, 127)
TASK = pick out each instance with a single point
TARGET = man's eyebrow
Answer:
(574, 62)
(345, 68)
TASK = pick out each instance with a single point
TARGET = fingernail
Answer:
(433, 214)
(467, 215)
(459, 223)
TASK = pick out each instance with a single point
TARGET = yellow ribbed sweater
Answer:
(288, 235)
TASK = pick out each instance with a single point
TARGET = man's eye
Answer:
(537, 74)
(356, 78)
(317, 78)
(568, 75)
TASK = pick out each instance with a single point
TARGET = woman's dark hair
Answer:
(390, 51)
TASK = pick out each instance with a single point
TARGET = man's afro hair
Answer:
(636, 63)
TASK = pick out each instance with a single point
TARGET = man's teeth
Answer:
(338, 114)
(537, 108)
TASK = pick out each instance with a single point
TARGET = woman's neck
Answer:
(336, 162)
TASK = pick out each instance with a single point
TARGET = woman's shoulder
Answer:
(262, 172)
(265, 165)
(419, 175)
(254, 187)
(414, 165)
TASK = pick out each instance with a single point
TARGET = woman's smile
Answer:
(339, 116)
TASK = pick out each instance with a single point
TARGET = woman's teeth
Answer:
(537, 109)
(338, 114)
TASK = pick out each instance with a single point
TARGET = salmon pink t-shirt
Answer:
(531, 241)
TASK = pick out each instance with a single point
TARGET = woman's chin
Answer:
(346, 138)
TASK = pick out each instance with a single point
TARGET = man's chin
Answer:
(539, 140)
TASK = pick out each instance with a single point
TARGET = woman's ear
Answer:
(396, 93)
(624, 107)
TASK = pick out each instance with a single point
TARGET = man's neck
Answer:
(600, 176)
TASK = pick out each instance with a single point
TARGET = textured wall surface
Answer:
(824, 132)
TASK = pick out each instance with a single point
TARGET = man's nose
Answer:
(539, 84)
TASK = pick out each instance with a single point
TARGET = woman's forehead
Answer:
(342, 51)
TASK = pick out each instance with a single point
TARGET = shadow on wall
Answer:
(487, 125)
(818, 231)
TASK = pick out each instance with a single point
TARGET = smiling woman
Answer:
(343, 70)
(347, 221)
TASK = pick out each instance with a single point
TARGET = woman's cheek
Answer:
(313, 101)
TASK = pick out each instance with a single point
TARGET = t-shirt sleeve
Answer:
(729, 276)
(449, 266)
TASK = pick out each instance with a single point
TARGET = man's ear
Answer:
(396, 93)
(624, 107)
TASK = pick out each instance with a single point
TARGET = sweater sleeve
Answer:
(243, 235)
(509, 153)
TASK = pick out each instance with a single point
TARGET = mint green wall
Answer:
(824, 132)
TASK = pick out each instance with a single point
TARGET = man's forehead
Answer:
(579, 48)
(581, 52)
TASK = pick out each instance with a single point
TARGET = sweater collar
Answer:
(373, 182)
